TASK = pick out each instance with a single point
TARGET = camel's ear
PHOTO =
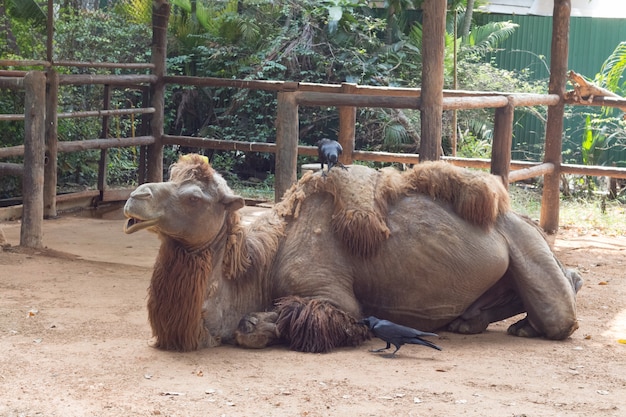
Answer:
(233, 202)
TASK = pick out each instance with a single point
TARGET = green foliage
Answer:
(610, 75)
(27, 10)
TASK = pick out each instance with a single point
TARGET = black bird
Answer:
(397, 334)
(328, 152)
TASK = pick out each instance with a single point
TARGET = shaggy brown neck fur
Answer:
(175, 297)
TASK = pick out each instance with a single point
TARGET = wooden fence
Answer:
(41, 143)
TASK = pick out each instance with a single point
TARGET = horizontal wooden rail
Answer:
(84, 145)
(11, 117)
(120, 65)
(126, 80)
(100, 113)
(309, 98)
(13, 83)
(222, 82)
(8, 168)
(11, 151)
(526, 100)
(12, 73)
(519, 99)
(24, 63)
(531, 172)
(599, 101)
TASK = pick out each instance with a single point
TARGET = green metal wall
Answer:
(591, 41)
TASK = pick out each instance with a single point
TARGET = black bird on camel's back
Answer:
(328, 152)
(396, 334)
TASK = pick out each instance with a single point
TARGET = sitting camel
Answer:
(436, 247)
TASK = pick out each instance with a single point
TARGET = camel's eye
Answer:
(192, 195)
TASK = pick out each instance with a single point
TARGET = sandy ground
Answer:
(74, 342)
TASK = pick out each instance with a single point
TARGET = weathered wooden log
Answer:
(502, 141)
(50, 170)
(105, 113)
(531, 172)
(9, 168)
(347, 127)
(550, 198)
(154, 156)
(431, 110)
(119, 80)
(31, 231)
(85, 145)
(286, 143)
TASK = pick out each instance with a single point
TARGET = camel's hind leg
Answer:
(548, 292)
(498, 303)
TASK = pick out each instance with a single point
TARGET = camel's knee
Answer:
(563, 330)
(315, 325)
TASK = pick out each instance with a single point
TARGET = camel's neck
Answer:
(180, 283)
(197, 297)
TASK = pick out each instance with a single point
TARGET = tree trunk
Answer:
(467, 22)
(5, 27)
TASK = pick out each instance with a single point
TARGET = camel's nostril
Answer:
(141, 193)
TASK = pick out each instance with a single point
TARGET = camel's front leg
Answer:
(257, 330)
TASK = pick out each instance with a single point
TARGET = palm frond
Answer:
(485, 38)
(137, 11)
(613, 68)
(27, 10)
(395, 134)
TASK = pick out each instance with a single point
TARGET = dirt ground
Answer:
(74, 341)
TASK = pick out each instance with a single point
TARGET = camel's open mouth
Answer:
(134, 224)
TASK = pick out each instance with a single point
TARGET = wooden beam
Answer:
(287, 128)
(550, 198)
(31, 232)
(160, 19)
(347, 127)
(50, 178)
(531, 172)
(502, 141)
(84, 145)
(433, 47)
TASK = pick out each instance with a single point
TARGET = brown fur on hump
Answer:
(179, 286)
(358, 216)
(475, 196)
(314, 325)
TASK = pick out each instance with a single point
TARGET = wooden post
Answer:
(433, 48)
(347, 126)
(31, 232)
(550, 198)
(160, 18)
(287, 127)
(144, 131)
(50, 175)
(104, 133)
(502, 141)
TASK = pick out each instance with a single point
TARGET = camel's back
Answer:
(428, 257)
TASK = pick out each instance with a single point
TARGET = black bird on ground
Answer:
(396, 334)
(328, 152)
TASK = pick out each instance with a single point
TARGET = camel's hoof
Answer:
(523, 328)
(463, 326)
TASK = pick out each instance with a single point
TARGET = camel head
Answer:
(190, 208)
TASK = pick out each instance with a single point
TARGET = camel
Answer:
(436, 247)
